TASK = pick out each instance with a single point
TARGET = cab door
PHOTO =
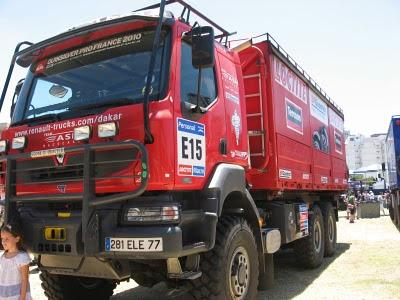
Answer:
(199, 121)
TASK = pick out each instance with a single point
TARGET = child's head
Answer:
(11, 237)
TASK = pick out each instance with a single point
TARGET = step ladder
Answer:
(258, 114)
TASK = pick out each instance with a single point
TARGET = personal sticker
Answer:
(191, 148)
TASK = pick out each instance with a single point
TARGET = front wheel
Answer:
(59, 287)
(230, 269)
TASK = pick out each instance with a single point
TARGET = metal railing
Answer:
(282, 51)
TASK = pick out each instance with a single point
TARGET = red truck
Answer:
(144, 147)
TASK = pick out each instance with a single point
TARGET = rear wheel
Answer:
(330, 229)
(230, 269)
(59, 287)
(310, 250)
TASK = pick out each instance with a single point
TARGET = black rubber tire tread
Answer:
(396, 210)
(391, 212)
(212, 285)
(304, 248)
(149, 277)
(330, 247)
(59, 287)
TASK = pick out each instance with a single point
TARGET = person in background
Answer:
(381, 200)
(371, 196)
(359, 198)
(345, 203)
(351, 206)
(386, 197)
(14, 266)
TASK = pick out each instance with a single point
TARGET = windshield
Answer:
(109, 72)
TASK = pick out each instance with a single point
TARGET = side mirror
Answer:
(18, 88)
(202, 47)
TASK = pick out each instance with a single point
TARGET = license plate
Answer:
(134, 244)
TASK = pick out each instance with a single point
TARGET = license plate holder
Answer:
(154, 244)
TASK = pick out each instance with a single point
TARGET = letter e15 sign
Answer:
(191, 140)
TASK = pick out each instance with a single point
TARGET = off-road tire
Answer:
(330, 229)
(149, 277)
(233, 235)
(59, 287)
(391, 211)
(394, 209)
(308, 254)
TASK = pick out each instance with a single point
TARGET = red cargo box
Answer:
(295, 133)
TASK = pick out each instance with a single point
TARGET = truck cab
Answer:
(145, 147)
(122, 139)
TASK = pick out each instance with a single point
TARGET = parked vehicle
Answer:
(393, 166)
(142, 147)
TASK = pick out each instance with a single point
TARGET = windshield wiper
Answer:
(38, 120)
(109, 102)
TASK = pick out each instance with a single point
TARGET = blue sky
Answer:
(351, 48)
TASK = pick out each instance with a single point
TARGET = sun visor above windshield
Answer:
(118, 45)
(98, 29)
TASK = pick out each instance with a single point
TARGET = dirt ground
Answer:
(365, 266)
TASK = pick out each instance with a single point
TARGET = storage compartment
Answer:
(290, 218)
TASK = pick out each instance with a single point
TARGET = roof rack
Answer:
(185, 17)
(297, 66)
(300, 69)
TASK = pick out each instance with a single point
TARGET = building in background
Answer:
(365, 155)
(362, 151)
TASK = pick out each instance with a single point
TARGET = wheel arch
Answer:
(234, 198)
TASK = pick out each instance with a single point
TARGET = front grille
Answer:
(67, 173)
(47, 169)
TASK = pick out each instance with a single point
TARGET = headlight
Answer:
(107, 130)
(152, 214)
(18, 142)
(82, 133)
(3, 146)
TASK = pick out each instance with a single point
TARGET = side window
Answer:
(189, 76)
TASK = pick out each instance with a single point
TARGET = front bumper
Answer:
(193, 234)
